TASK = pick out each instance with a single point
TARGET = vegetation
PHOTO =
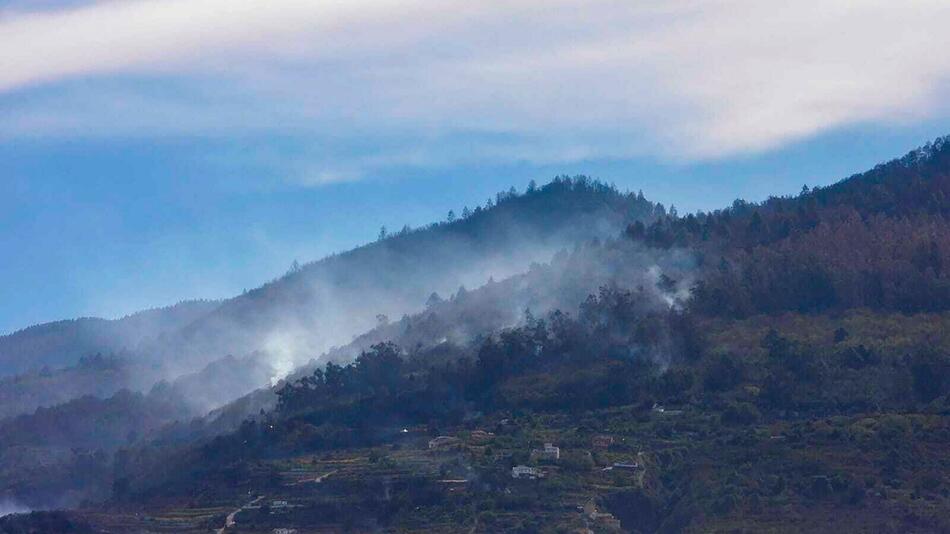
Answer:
(782, 366)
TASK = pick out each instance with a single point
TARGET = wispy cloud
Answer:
(557, 80)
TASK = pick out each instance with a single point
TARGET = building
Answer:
(660, 409)
(602, 441)
(626, 465)
(524, 471)
(443, 442)
(279, 507)
(548, 453)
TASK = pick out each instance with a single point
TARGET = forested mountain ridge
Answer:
(323, 304)
(314, 306)
(800, 393)
(779, 366)
(503, 238)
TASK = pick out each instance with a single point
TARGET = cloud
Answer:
(558, 80)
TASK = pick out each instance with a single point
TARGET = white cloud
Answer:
(565, 79)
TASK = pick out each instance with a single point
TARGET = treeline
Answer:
(544, 206)
(568, 193)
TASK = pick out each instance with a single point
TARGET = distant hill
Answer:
(63, 343)
(99, 376)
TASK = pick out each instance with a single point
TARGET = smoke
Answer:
(658, 280)
(9, 506)
(284, 347)
(321, 307)
(325, 305)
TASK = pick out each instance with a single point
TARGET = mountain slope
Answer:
(879, 239)
(326, 303)
(801, 404)
(322, 304)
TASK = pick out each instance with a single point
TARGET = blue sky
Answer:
(158, 150)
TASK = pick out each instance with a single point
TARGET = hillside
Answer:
(733, 370)
(775, 396)
(315, 306)
(480, 245)
(323, 304)
(878, 239)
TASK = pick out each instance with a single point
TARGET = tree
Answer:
(755, 223)
(382, 233)
(723, 374)
(433, 300)
(532, 187)
(840, 334)
(466, 213)
(451, 216)
(931, 373)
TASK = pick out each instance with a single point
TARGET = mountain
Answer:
(324, 304)
(776, 366)
(799, 395)
(312, 308)
(289, 320)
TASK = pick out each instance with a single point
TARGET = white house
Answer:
(279, 507)
(548, 452)
(524, 471)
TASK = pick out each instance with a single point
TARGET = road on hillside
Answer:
(229, 520)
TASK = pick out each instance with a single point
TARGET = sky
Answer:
(159, 150)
